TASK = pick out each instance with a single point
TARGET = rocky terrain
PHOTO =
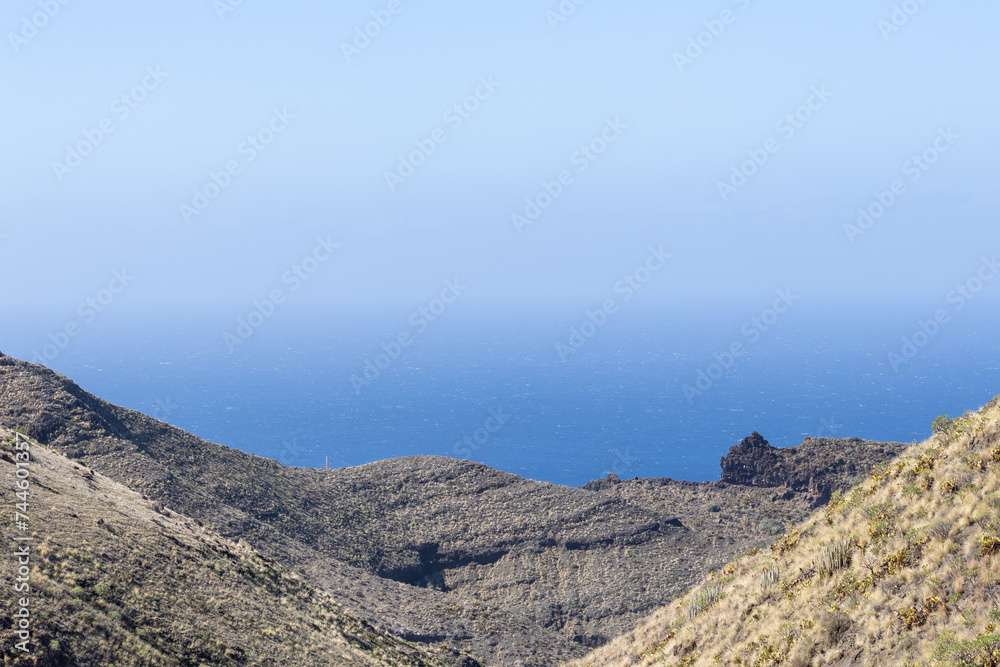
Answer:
(817, 467)
(445, 552)
(902, 569)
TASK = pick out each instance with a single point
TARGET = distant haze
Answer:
(207, 149)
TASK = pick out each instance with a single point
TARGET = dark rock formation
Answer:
(602, 484)
(753, 462)
(814, 468)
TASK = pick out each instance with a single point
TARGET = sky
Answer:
(194, 153)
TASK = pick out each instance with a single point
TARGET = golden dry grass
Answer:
(922, 586)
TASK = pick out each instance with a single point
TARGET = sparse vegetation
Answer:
(920, 586)
(454, 554)
(179, 595)
(400, 541)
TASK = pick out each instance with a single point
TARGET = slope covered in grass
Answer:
(903, 569)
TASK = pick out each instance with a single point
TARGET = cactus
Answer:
(768, 578)
(704, 600)
(836, 557)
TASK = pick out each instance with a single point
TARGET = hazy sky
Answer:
(619, 120)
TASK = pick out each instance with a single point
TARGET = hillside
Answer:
(434, 550)
(903, 569)
(119, 580)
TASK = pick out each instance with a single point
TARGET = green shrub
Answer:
(983, 650)
(942, 425)
(881, 520)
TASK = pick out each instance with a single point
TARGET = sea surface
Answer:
(489, 384)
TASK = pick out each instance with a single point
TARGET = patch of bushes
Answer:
(983, 651)
(881, 520)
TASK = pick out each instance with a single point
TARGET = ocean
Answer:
(533, 389)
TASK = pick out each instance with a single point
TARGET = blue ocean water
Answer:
(488, 384)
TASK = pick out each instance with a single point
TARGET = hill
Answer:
(119, 580)
(903, 569)
(431, 549)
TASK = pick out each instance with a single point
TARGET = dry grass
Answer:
(921, 586)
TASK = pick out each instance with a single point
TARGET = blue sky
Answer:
(880, 92)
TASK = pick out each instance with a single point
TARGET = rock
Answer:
(753, 462)
(814, 468)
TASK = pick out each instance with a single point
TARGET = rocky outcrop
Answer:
(753, 462)
(816, 467)
(602, 484)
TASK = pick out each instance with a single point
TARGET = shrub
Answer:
(988, 544)
(924, 463)
(787, 542)
(983, 650)
(880, 471)
(881, 520)
(942, 425)
(912, 617)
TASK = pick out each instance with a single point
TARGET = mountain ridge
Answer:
(431, 549)
(101, 556)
